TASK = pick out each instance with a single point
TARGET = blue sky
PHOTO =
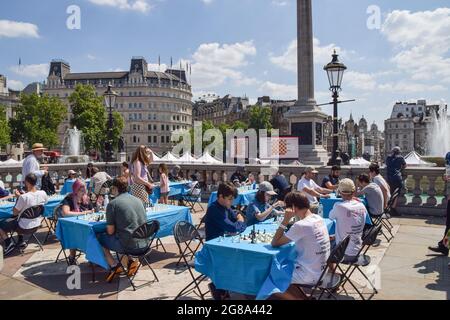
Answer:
(241, 47)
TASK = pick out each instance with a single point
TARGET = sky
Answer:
(395, 50)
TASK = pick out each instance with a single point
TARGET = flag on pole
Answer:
(20, 61)
(159, 63)
(171, 62)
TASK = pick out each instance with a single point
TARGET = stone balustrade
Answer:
(424, 193)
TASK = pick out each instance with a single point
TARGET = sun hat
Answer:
(346, 186)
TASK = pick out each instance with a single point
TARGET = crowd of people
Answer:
(297, 205)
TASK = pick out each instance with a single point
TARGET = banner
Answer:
(279, 148)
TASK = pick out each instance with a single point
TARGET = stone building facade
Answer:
(221, 110)
(152, 104)
(409, 126)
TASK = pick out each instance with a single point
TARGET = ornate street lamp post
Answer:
(110, 100)
(335, 71)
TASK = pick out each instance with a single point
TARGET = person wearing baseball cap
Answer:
(312, 190)
(260, 209)
(31, 163)
(350, 216)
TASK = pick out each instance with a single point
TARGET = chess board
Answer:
(261, 237)
(156, 208)
(94, 217)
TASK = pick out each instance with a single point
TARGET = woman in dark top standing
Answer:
(75, 204)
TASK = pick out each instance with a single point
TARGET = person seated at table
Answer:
(3, 192)
(125, 170)
(33, 197)
(281, 185)
(374, 173)
(312, 244)
(124, 215)
(221, 219)
(251, 180)
(68, 182)
(260, 209)
(331, 181)
(174, 174)
(308, 186)
(76, 204)
(238, 175)
(350, 216)
(163, 184)
(373, 194)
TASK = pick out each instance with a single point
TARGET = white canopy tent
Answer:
(187, 158)
(413, 159)
(208, 159)
(9, 162)
(156, 158)
(359, 162)
(169, 157)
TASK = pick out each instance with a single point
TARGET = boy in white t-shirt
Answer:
(350, 216)
(32, 198)
(312, 243)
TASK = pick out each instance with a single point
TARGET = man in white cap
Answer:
(350, 216)
(31, 163)
(312, 190)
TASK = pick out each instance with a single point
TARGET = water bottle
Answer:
(106, 201)
(320, 211)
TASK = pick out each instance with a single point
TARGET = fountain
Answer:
(72, 147)
(439, 135)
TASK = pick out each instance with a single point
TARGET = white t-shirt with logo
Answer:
(309, 184)
(312, 243)
(350, 219)
(28, 200)
(379, 180)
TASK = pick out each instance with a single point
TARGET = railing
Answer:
(425, 192)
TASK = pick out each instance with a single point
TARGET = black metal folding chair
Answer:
(51, 223)
(362, 260)
(30, 213)
(146, 231)
(186, 234)
(193, 196)
(328, 281)
(383, 219)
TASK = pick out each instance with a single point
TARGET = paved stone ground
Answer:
(402, 269)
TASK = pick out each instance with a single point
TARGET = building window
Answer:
(149, 139)
(149, 127)
(134, 139)
(154, 127)
(162, 127)
(155, 139)
(167, 127)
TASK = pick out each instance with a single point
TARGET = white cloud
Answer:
(14, 29)
(136, 5)
(207, 1)
(279, 91)
(423, 42)
(91, 56)
(280, 3)
(37, 71)
(322, 55)
(409, 87)
(214, 64)
(360, 81)
(15, 85)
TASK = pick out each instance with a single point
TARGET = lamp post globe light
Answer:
(335, 72)
(110, 100)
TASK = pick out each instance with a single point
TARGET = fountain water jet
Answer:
(73, 146)
(439, 135)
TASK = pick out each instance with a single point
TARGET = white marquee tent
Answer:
(413, 159)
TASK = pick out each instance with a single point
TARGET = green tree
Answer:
(5, 131)
(90, 116)
(260, 118)
(37, 120)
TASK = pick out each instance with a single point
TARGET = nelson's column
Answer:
(306, 118)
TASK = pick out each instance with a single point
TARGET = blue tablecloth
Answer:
(81, 235)
(244, 198)
(176, 189)
(67, 187)
(328, 205)
(6, 211)
(253, 269)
